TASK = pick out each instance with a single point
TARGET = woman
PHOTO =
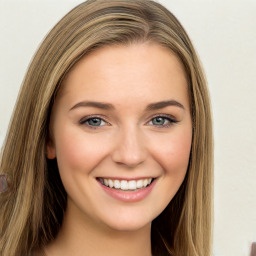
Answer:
(110, 143)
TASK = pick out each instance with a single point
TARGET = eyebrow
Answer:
(94, 104)
(163, 104)
(108, 106)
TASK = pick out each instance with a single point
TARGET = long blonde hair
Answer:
(32, 209)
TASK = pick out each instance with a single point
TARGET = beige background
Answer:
(224, 34)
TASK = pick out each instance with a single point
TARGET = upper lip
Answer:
(127, 178)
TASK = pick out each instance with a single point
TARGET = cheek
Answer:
(75, 151)
(173, 153)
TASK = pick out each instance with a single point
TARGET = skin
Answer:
(127, 142)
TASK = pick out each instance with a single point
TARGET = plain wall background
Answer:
(224, 34)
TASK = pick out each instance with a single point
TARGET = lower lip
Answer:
(129, 196)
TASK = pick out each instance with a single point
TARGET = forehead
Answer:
(127, 71)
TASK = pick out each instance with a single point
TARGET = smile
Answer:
(126, 184)
(127, 190)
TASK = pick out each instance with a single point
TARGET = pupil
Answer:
(94, 121)
(159, 120)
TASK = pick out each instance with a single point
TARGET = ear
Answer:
(50, 149)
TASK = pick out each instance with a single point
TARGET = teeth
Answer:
(117, 184)
(110, 183)
(125, 184)
(132, 185)
(139, 183)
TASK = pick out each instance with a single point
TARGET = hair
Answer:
(33, 207)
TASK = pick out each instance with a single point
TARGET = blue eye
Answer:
(159, 121)
(162, 121)
(93, 122)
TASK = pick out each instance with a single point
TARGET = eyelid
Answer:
(172, 120)
(83, 120)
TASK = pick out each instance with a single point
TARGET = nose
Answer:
(129, 149)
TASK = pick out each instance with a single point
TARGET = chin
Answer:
(129, 226)
(129, 221)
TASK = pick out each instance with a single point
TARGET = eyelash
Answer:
(170, 121)
(85, 120)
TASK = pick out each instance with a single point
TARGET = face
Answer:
(121, 132)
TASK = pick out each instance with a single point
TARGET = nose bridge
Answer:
(130, 148)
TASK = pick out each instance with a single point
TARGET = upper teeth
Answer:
(125, 184)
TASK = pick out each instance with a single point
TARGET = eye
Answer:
(162, 121)
(93, 122)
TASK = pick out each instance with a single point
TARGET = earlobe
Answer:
(50, 150)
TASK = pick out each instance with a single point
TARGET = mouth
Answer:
(127, 190)
(126, 185)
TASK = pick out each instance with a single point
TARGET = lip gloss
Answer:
(128, 196)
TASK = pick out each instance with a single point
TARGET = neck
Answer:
(80, 236)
